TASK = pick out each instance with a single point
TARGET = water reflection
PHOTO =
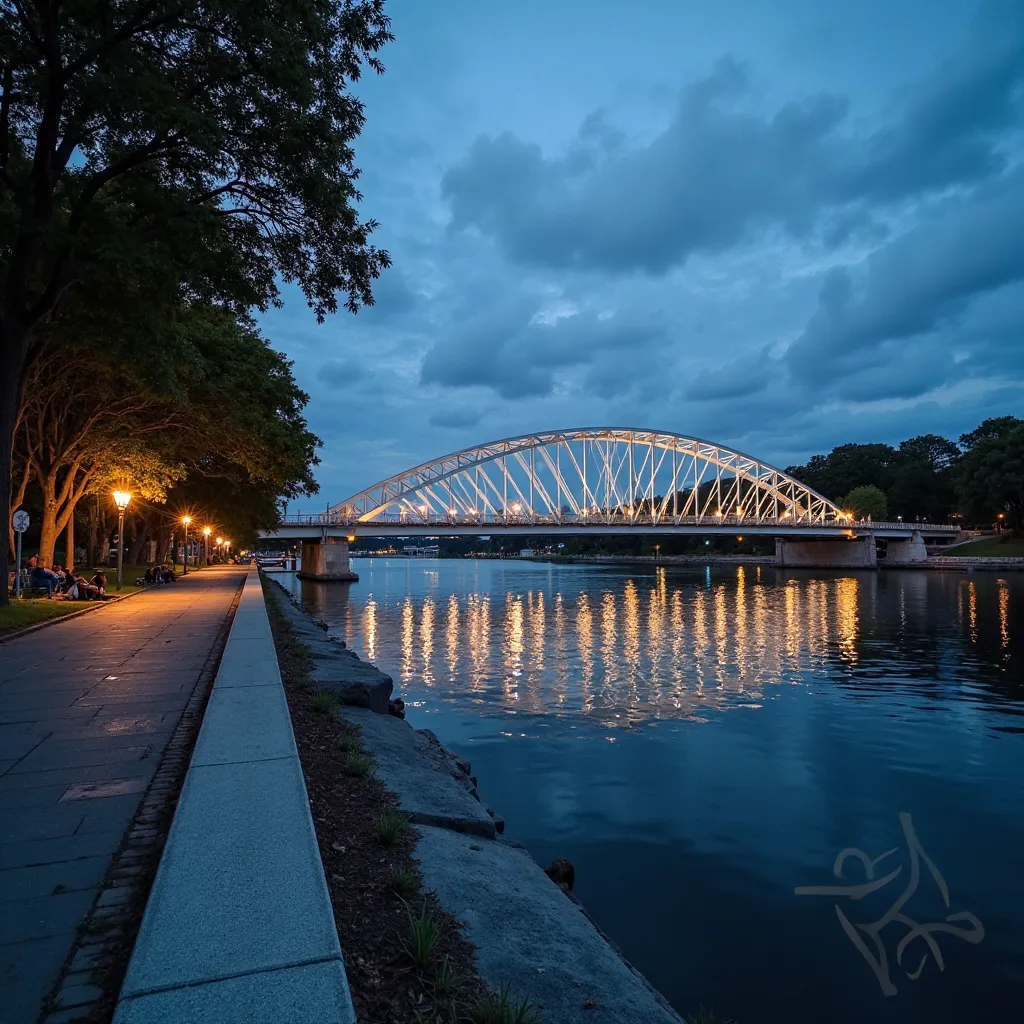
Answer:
(643, 647)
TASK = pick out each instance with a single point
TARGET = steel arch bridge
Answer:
(587, 475)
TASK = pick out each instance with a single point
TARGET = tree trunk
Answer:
(14, 339)
(48, 525)
(94, 533)
(69, 542)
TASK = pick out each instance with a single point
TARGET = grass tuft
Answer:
(447, 980)
(500, 1008)
(424, 935)
(326, 701)
(349, 743)
(402, 880)
(358, 766)
(305, 685)
(390, 824)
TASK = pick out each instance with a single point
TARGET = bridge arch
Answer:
(592, 474)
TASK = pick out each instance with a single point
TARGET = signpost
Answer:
(20, 523)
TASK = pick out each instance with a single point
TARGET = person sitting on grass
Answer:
(44, 579)
(99, 582)
(150, 576)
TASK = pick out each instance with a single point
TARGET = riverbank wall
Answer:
(530, 932)
(943, 563)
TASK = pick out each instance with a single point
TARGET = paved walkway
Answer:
(87, 707)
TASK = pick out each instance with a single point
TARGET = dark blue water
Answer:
(704, 744)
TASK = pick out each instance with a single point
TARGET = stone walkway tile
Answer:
(23, 920)
(66, 776)
(52, 851)
(49, 879)
(26, 974)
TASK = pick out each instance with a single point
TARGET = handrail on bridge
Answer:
(602, 518)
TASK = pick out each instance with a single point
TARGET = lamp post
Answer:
(220, 541)
(121, 499)
(185, 520)
(206, 544)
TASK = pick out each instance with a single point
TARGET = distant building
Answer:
(526, 553)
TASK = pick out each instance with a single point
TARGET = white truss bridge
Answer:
(591, 480)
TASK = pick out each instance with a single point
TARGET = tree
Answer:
(990, 474)
(923, 484)
(866, 501)
(848, 466)
(212, 140)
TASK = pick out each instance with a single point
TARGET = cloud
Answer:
(924, 280)
(519, 354)
(721, 170)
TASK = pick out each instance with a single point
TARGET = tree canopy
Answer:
(209, 145)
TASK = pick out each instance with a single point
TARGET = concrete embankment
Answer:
(527, 930)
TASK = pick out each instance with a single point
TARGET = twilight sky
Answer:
(780, 226)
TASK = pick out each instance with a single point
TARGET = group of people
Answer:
(159, 574)
(64, 583)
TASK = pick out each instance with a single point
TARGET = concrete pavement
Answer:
(87, 707)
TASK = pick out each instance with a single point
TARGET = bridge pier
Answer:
(858, 553)
(326, 559)
(906, 552)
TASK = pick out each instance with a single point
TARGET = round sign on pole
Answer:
(21, 521)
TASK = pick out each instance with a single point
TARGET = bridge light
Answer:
(786, 515)
(516, 507)
(351, 537)
(719, 513)
(453, 512)
(739, 512)
(739, 538)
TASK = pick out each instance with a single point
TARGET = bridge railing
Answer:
(599, 519)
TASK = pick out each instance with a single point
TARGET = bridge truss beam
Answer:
(597, 475)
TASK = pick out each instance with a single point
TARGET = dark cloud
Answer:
(392, 297)
(519, 355)
(719, 170)
(920, 282)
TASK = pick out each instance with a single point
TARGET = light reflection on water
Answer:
(865, 695)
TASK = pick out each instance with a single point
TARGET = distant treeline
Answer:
(977, 480)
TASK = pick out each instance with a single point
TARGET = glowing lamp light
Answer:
(719, 513)
(785, 515)
(121, 499)
(516, 507)
(186, 520)
(219, 541)
(453, 512)
(739, 511)
(351, 537)
(207, 531)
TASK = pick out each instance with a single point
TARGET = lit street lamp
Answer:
(206, 545)
(184, 568)
(121, 499)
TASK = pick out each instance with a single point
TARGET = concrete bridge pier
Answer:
(906, 552)
(326, 559)
(857, 553)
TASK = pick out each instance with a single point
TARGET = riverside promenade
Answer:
(87, 708)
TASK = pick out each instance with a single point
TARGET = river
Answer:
(726, 754)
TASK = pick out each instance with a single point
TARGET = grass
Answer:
(500, 1008)
(349, 743)
(389, 826)
(424, 935)
(402, 880)
(447, 980)
(991, 547)
(325, 701)
(358, 766)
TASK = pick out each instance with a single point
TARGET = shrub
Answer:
(358, 766)
(424, 935)
(390, 824)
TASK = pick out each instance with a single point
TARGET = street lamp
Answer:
(121, 499)
(185, 521)
(206, 544)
